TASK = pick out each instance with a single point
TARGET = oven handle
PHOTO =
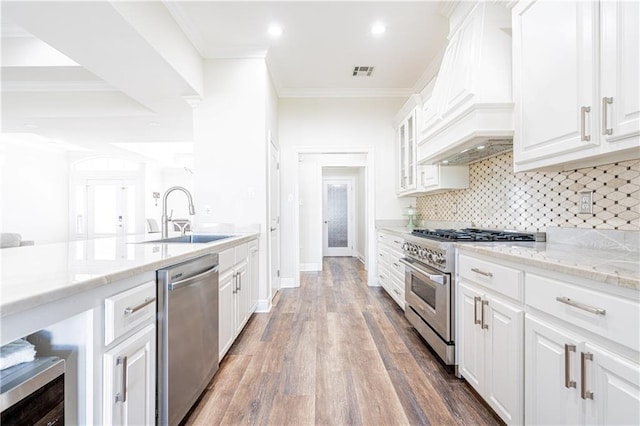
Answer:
(436, 278)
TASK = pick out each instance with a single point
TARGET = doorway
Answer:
(105, 208)
(338, 205)
(274, 218)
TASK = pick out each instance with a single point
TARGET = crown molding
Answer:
(345, 93)
(57, 86)
(185, 24)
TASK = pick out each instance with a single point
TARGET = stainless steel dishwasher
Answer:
(187, 335)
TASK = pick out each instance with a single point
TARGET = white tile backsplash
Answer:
(499, 198)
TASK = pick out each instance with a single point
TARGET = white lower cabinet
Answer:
(572, 381)
(235, 297)
(130, 380)
(490, 350)
(129, 357)
(390, 269)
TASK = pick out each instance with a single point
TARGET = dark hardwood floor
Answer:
(335, 352)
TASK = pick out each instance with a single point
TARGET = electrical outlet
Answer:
(586, 202)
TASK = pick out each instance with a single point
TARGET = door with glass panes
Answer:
(338, 207)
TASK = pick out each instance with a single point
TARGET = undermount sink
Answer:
(191, 239)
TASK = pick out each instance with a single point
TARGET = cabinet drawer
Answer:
(617, 319)
(392, 241)
(383, 258)
(127, 310)
(241, 252)
(226, 259)
(499, 278)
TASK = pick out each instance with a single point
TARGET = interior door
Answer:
(274, 217)
(106, 208)
(338, 217)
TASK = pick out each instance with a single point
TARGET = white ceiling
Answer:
(98, 71)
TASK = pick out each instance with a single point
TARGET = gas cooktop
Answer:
(475, 234)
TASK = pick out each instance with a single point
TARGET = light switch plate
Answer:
(586, 202)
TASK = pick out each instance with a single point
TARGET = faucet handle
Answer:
(170, 217)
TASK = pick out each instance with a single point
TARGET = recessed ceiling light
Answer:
(30, 126)
(480, 147)
(275, 30)
(445, 162)
(154, 124)
(378, 28)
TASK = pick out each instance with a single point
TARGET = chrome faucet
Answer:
(165, 219)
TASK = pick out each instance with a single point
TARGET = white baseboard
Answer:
(288, 283)
(263, 306)
(310, 267)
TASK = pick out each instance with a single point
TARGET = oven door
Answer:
(428, 291)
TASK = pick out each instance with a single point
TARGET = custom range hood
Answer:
(470, 114)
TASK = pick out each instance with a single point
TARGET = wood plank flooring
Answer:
(335, 352)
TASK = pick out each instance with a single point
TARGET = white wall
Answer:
(331, 122)
(35, 192)
(230, 147)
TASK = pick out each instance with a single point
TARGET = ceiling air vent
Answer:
(360, 71)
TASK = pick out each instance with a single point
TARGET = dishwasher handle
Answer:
(188, 281)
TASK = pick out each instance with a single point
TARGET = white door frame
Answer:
(273, 222)
(370, 235)
(349, 250)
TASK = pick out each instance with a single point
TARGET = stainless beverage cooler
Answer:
(33, 393)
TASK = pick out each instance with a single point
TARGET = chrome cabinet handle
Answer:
(476, 299)
(568, 383)
(584, 357)
(593, 310)
(606, 101)
(484, 326)
(235, 283)
(396, 241)
(583, 118)
(147, 302)
(396, 292)
(478, 271)
(122, 395)
(396, 265)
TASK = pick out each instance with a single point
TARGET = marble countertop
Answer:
(614, 267)
(34, 275)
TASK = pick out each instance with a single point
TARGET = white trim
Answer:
(263, 306)
(287, 283)
(345, 93)
(370, 236)
(309, 267)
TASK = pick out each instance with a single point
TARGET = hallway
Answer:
(335, 352)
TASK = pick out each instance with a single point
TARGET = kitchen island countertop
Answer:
(35, 275)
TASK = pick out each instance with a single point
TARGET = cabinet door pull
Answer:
(592, 309)
(147, 301)
(235, 283)
(476, 299)
(606, 101)
(583, 125)
(568, 383)
(584, 357)
(396, 292)
(396, 241)
(478, 271)
(396, 265)
(484, 326)
(122, 396)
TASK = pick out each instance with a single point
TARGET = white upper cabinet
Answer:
(576, 91)
(414, 179)
(472, 97)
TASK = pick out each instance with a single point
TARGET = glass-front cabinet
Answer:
(407, 153)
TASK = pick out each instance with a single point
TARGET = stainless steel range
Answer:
(430, 280)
